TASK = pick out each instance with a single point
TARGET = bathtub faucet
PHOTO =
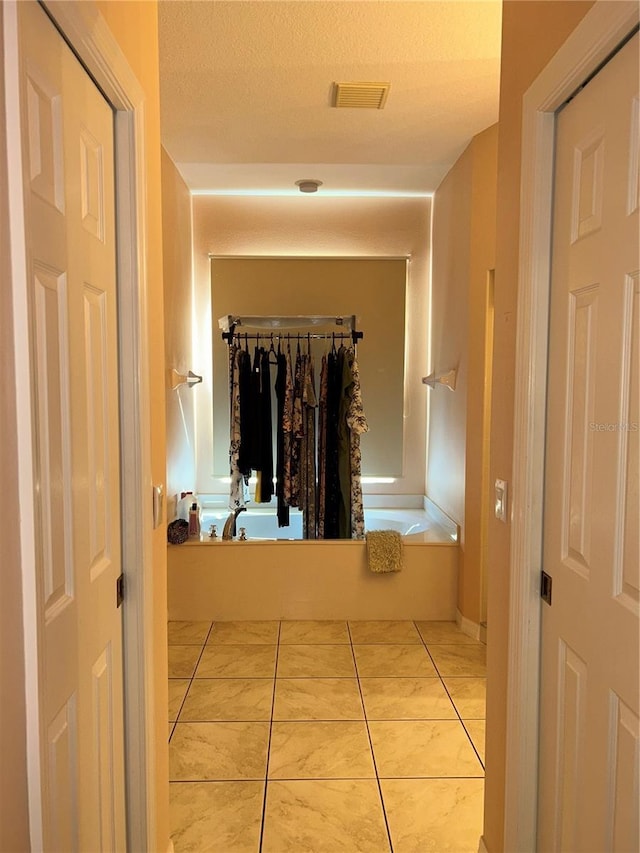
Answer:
(230, 524)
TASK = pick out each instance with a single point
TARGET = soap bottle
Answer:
(194, 521)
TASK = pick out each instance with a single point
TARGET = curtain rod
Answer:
(229, 324)
(294, 321)
(293, 336)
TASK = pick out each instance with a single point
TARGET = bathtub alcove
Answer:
(275, 578)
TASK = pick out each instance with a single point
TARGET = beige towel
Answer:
(384, 551)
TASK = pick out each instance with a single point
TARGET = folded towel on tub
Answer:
(384, 550)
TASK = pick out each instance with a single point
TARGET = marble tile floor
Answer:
(314, 737)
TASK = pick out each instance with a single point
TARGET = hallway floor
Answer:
(325, 736)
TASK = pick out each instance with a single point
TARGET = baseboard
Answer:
(471, 629)
(482, 847)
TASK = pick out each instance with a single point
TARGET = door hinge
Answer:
(119, 590)
(546, 582)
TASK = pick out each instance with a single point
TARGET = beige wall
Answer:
(449, 322)
(320, 226)
(178, 291)
(463, 253)
(135, 26)
(14, 825)
(477, 495)
(531, 34)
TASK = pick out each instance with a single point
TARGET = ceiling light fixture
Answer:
(308, 185)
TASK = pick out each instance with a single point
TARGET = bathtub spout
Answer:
(230, 524)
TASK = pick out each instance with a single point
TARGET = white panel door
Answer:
(69, 197)
(589, 759)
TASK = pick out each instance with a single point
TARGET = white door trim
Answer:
(26, 498)
(90, 37)
(603, 28)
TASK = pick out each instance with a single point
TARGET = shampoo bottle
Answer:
(194, 521)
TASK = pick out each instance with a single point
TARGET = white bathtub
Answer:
(261, 524)
(275, 576)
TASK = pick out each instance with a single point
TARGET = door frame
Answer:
(89, 36)
(600, 32)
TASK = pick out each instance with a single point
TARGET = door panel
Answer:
(623, 787)
(69, 199)
(63, 792)
(588, 787)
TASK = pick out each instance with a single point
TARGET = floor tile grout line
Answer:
(373, 755)
(455, 707)
(195, 669)
(266, 770)
(233, 678)
(354, 720)
(225, 722)
(473, 745)
(317, 779)
(414, 719)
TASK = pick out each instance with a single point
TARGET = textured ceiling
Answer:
(246, 90)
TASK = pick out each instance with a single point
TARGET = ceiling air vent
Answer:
(368, 96)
